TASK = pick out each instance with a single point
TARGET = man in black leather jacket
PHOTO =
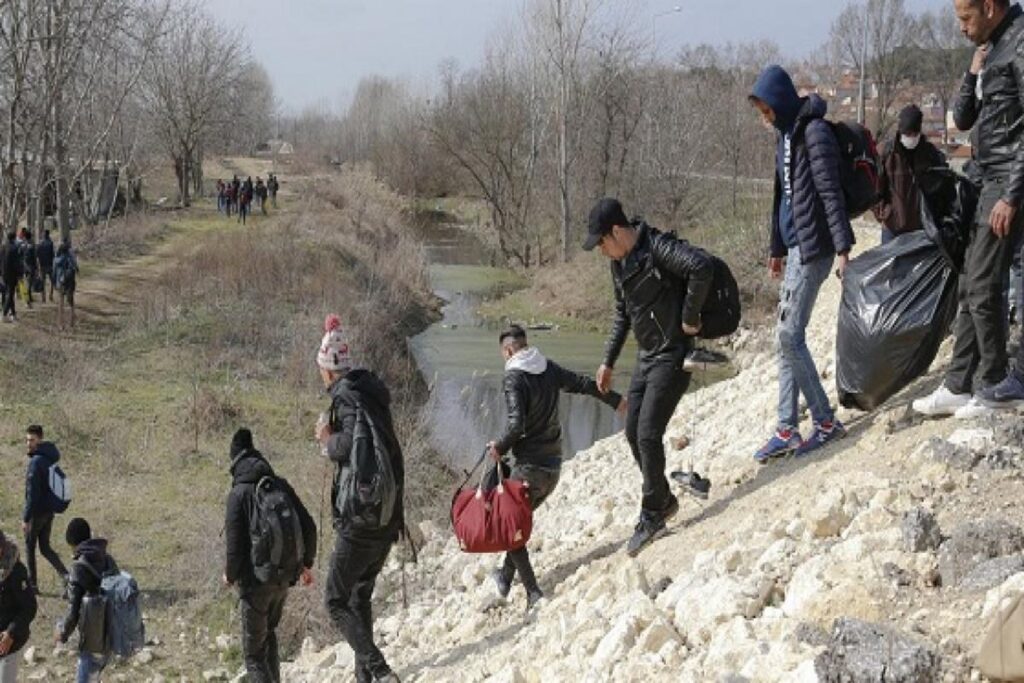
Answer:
(533, 435)
(661, 283)
(991, 100)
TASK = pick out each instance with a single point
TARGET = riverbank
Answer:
(213, 327)
(889, 551)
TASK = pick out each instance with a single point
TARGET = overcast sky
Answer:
(317, 50)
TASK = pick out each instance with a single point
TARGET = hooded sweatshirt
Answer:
(91, 564)
(775, 88)
(247, 469)
(17, 599)
(362, 388)
(532, 387)
(37, 480)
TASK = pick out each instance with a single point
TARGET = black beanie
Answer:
(240, 442)
(78, 532)
(910, 120)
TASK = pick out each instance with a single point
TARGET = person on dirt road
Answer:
(65, 275)
(810, 229)
(661, 283)
(260, 191)
(273, 186)
(17, 609)
(10, 273)
(364, 534)
(905, 160)
(29, 264)
(91, 563)
(253, 503)
(991, 101)
(38, 512)
(533, 436)
(46, 254)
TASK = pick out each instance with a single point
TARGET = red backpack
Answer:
(493, 520)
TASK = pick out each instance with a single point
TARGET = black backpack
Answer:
(858, 166)
(367, 487)
(275, 534)
(721, 313)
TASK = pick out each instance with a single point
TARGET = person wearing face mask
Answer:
(810, 230)
(906, 158)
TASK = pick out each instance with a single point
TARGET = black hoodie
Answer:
(365, 388)
(91, 564)
(17, 606)
(37, 480)
(247, 468)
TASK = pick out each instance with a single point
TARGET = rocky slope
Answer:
(880, 558)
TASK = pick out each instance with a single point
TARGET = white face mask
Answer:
(910, 141)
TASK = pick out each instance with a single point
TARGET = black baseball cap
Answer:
(605, 215)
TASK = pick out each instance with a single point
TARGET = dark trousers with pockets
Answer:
(980, 326)
(39, 533)
(355, 564)
(10, 294)
(653, 395)
(261, 607)
(542, 482)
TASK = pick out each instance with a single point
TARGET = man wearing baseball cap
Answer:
(660, 283)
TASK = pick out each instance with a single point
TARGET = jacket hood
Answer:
(366, 383)
(529, 360)
(94, 553)
(249, 467)
(813, 107)
(47, 451)
(775, 88)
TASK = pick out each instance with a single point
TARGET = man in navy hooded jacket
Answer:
(810, 228)
(37, 515)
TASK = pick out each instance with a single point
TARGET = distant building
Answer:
(275, 148)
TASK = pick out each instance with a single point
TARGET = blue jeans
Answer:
(797, 373)
(89, 667)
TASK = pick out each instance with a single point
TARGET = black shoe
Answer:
(647, 531)
(533, 598)
(502, 583)
(692, 483)
(671, 509)
(703, 359)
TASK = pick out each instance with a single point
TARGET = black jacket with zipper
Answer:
(247, 469)
(85, 577)
(363, 388)
(661, 284)
(999, 113)
(17, 606)
(534, 432)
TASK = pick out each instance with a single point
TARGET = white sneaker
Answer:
(941, 403)
(974, 408)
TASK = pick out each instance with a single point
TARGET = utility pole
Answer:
(863, 63)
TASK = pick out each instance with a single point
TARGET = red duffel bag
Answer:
(494, 520)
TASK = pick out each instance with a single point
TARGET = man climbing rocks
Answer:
(38, 513)
(85, 612)
(359, 438)
(533, 436)
(661, 283)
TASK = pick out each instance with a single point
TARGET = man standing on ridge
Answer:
(533, 435)
(991, 100)
(810, 229)
(660, 283)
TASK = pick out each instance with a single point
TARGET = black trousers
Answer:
(542, 481)
(39, 532)
(980, 326)
(261, 608)
(355, 564)
(654, 393)
(1019, 368)
(10, 294)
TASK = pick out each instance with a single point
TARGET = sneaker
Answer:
(972, 409)
(702, 359)
(533, 598)
(671, 509)
(502, 583)
(647, 531)
(823, 434)
(783, 442)
(940, 403)
(692, 483)
(1008, 394)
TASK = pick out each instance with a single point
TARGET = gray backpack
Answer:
(275, 534)
(111, 620)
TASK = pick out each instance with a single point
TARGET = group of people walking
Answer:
(27, 268)
(237, 197)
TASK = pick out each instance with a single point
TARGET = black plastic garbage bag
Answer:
(898, 302)
(949, 202)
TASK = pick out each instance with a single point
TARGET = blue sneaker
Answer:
(783, 442)
(823, 434)
(1008, 394)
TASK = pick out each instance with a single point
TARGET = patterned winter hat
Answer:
(334, 353)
